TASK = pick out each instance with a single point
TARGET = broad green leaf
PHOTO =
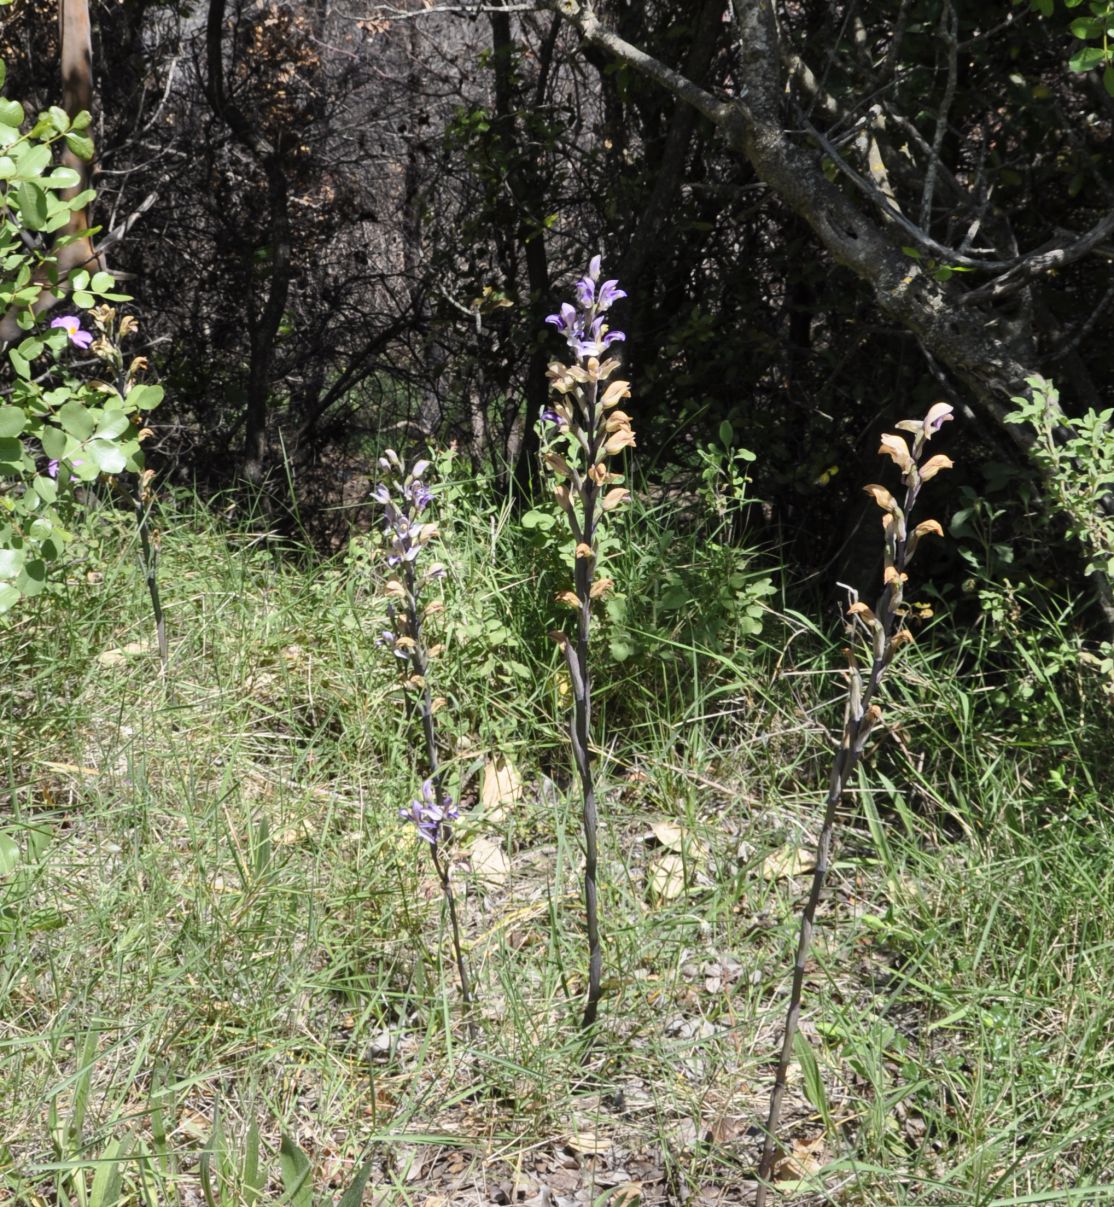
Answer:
(46, 488)
(296, 1172)
(107, 456)
(11, 562)
(19, 363)
(9, 597)
(354, 1195)
(10, 854)
(31, 348)
(76, 420)
(12, 421)
(32, 205)
(7, 167)
(83, 299)
(54, 442)
(112, 424)
(33, 161)
(11, 113)
(12, 456)
(1085, 59)
(85, 469)
(254, 1177)
(80, 279)
(80, 144)
(144, 397)
(101, 282)
(32, 578)
(63, 178)
(109, 1176)
(60, 118)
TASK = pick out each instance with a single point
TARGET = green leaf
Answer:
(354, 1195)
(107, 457)
(146, 398)
(80, 144)
(59, 118)
(726, 433)
(85, 469)
(543, 521)
(11, 113)
(83, 299)
(254, 1178)
(12, 421)
(63, 178)
(7, 167)
(102, 282)
(295, 1174)
(46, 488)
(33, 161)
(12, 454)
(112, 424)
(19, 363)
(76, 420)
(11, 562)
(813, 1082)
(31, 200)
(1085, 59)
(31, 347)
(54, 442)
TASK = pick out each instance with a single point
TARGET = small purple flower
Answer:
(549, 415)
(428, 815)
(52, 468)
(72, 326)
(566, 320)
(609, 295)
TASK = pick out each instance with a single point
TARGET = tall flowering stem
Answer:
(405, 496)
(880, 631)
(583, 428)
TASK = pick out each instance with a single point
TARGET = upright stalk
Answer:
(580, 430)
(404, 500)
(883, 629)
(149, 549)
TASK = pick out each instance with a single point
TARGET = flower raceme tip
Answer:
(584, 327)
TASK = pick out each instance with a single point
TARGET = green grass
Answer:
(210, 918)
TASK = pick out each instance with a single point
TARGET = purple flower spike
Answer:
(72, 326)
(583, 325)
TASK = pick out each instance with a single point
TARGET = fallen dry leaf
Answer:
(588, 1143)
(786, 862)
(501, 788)
(667, 877)
(489, 861)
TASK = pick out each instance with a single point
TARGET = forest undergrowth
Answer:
(215, 932)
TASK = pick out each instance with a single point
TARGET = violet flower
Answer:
(72, 327)
(429, 815)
